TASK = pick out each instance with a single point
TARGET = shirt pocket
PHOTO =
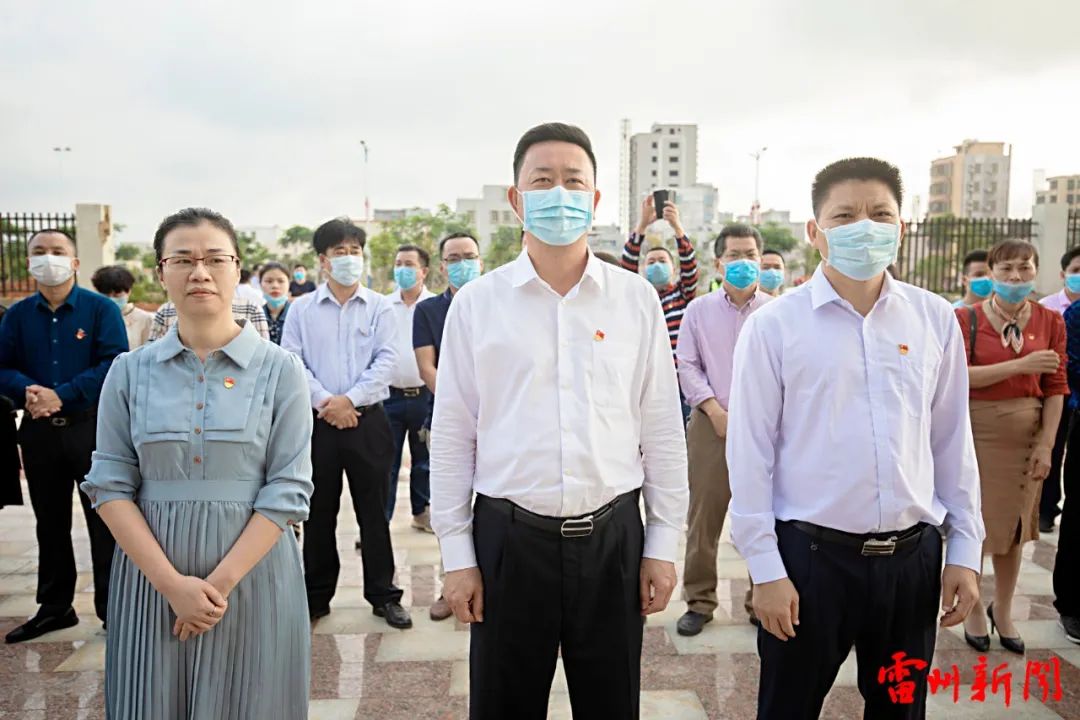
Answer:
(165, 405)
(234, 400)
(915, 382)
(613, 366)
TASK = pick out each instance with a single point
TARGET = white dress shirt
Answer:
(406, 373)
(250, 292)
(347, 349)
(558, 404)
(852, 423)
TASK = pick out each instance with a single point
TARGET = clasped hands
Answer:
(198, 604)
(339, 412)
(42, 402)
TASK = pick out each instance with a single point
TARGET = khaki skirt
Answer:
(1004, 433)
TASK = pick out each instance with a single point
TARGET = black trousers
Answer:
(364, 453)
(543, 592)
(881, 605)
(55, 459)
(1066, 576)
(1051, 489)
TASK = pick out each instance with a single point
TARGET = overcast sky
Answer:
(257, 109)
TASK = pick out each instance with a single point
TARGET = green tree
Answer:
(297, 238)
(505, 246)
(424, 231)
(128, 251)
(250, 250)
(778, 237)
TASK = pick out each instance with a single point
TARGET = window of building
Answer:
(470, 217)
(1053, 199)
(654, 158)
(1072, 184)
(494, 217)
(654, 146)
(508, 217)
(1069, 198)
(1040, 200)
(673, 158)
(671, 131)
(990, 206)
(673, 146)
(673, 173)
(1053, 184)
(654, 173)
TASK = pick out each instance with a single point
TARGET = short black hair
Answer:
(552, 132)
(455, 235)
(857, 168)
(1069, 256)
(770, 251)
(302, 266)
(245, 275)
(974, 256)
(193, 217)
(425, 258)
(335, 232)
(736, 230)
(58, 231)
(273, 265)
(660, 248)
(1012, 249)
(112, 279)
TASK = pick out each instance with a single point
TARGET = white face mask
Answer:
(51, 270)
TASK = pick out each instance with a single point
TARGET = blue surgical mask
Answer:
(981, 286)
(741, 274)
(557, 216)
(405, 277)
(659, 274)
(462, 272)
(120, 300)
(299, 276)
(1072, 283)
(862, 250)
(347, 269)
(1013, 293)
(275, 302)
(771, 279)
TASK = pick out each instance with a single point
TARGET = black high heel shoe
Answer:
(980, 643)
(1012, 644)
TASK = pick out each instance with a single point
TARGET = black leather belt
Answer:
(413, 392)
(572, 527)
(62, 421)
(871, 544)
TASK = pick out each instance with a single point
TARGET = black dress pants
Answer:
(543, 592)
(1066, 573)
(364, 453)
(55, 459)
(881, 605)
(1049, 501)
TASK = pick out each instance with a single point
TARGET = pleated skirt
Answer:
(254, 664)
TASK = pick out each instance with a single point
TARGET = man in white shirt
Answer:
(558, 406)
(407, 406)
(849, 445)
(249, 289)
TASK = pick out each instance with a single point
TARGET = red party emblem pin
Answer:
(80, 334)
(903, 349)
(598, 335)
(229, 382)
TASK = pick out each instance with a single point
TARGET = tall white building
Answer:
(488, 213)
(606, 238)
(666, 157)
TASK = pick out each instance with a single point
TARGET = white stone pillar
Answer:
(94, 239)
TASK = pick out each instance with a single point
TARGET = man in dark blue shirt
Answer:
(1066, 578)
(56, 347)
(461, 263)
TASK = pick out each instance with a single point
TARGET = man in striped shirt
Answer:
(675, 292)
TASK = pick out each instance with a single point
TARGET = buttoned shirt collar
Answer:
(240, 349)
(523, 270)
(822, 291)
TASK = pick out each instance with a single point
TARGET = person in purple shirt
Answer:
(705, 352)
(1049, 503)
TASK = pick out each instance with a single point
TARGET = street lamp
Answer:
(60, 152)
(755, 211)
(367, 203)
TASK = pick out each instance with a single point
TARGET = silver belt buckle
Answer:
(577, 527)
(58, 421)
(879, 547)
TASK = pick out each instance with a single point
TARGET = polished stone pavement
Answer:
(364, 669)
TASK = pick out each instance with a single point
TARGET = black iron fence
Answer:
(933, 251)
(16, 229)
(1072, 229)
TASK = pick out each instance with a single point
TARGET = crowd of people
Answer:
(870, 444)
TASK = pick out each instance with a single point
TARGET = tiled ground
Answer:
(363, 669)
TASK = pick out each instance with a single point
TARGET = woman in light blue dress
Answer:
(203, 460)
